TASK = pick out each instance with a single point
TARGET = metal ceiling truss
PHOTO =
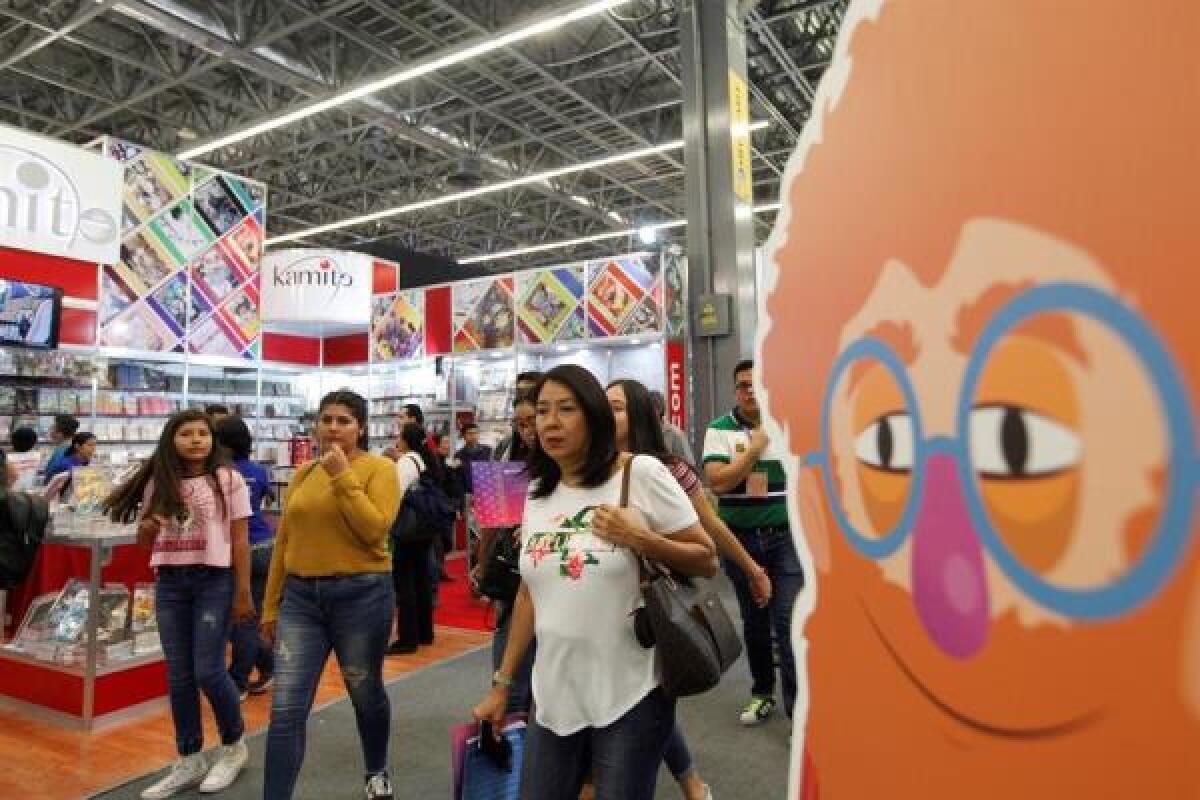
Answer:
(170, 73)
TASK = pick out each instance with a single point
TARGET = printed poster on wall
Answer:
(398, 325)
(624, 296)
(675, 294)
(483, 314)
(550, 308)
(188, 273)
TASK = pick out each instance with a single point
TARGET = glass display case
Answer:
(86, 652)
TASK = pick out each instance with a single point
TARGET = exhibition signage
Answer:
(58, 199)
(316, 286)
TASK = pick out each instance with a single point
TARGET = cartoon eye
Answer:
(887, 444)
(1014, 442)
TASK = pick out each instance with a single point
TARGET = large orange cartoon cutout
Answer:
(982, 345)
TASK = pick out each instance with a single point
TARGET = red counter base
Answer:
(35, 688)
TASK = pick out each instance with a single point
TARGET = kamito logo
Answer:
(319, 271)
(39, 200)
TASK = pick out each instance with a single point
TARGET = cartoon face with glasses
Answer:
(984, 352)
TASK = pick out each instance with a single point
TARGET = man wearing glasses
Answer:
(744, 468)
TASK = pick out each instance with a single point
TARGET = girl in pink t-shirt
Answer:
(192, 510)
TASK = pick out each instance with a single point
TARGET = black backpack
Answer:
(22, 527)
(425, 513)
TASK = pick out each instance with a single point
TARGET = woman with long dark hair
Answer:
(519, 447)
(597, 703)
(191, 508)
(640, 431)
(330, 588)
(411, 559)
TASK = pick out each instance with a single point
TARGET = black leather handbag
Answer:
(501, 575)
(686, 620)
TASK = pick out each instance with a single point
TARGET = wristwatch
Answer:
(500, 679)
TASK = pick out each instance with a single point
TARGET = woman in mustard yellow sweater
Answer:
(330, 588)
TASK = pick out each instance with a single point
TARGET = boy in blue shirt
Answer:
(249, 651)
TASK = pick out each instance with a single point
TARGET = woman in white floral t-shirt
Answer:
(598, 705)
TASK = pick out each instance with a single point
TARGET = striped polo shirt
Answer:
(728, 437)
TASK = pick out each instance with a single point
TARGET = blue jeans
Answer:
(249, 651)
(623, 758)
(520, 694)
(352, 616)
(194, 606)
(775, 551)
(677, 756)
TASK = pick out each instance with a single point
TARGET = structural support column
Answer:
(720, 199)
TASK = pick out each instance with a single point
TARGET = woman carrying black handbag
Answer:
(411, 550)
(496, 576)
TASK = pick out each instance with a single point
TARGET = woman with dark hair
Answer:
(79, 453)
(597, 702)
(330, 588)
(640, 431)
(249, 651)
(191, 509)
(411, 573)
(516, 448)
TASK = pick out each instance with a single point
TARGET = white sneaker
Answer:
(185, 773)
(230, 760)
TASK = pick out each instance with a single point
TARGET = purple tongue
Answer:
(949, 587)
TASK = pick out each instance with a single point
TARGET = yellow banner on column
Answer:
(739, 123)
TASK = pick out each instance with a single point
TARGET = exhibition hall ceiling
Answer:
(184, 76)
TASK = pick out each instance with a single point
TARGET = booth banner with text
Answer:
(985, 364)
(624, 296)
(58, 199)
(483, 314)
(317, 286)
(550, 308)
(192, 242)
(677, 384)
(398, 325)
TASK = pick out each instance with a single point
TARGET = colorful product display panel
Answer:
(675, 294)
(483, 315)
(550, 308)
(190, 257)
(624, 296)
(398, 325)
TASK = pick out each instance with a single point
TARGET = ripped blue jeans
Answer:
(350, 615)
(194, 606)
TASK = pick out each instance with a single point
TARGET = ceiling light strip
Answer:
(459, 56)
(599, 237)
(503, 186)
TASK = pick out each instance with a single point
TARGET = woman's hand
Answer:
(243, 607)
(266, 632)
(760, 586)
(620, 526)
(492, 708)
(334, 461)
(148, 529)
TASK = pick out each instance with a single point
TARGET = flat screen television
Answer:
(29, 314)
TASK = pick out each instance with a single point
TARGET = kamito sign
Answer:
(58, 199)
(316, 286)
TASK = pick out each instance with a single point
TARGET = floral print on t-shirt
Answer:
(572, 546)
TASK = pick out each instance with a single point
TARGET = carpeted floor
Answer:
(456, 607)
(739, 763)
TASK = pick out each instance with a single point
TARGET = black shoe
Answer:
(398, 649)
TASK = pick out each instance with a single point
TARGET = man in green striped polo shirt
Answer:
(745, 469)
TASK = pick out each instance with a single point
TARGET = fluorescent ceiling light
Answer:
(598, 237)
(457, 56)
(502, 186)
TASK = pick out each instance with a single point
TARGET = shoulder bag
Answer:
(695, 636)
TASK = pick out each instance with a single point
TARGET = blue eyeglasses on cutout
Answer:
(1171, 536)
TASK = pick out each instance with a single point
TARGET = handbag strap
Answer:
(626, 476)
